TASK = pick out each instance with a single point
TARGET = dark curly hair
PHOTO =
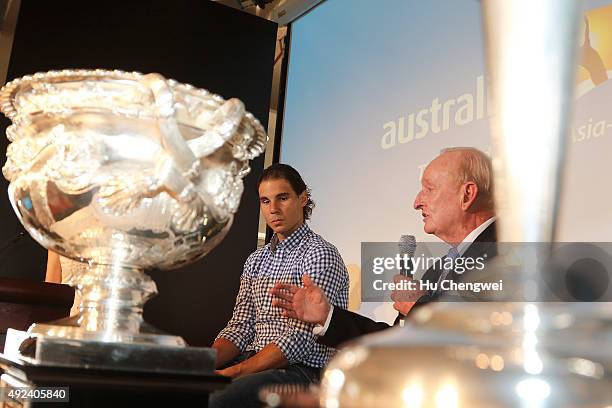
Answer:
(286, 172)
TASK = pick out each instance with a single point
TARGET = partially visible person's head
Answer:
(284, 199)
(456, 194)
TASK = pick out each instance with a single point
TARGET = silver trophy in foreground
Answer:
(123, 171)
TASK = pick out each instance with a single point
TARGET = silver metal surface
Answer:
(531, 50)
(460, 355)
(123, 171)
(501, 354)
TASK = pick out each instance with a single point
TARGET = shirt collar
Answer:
(291, 241)
(464, 245)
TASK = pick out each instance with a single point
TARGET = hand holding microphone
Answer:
(404, 300)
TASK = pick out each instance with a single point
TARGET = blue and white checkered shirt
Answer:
(255, 323)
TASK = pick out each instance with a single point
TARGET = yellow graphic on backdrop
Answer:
(596, 46)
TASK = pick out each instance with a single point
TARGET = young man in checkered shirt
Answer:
(259, 346)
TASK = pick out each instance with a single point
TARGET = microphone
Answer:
(407, 246)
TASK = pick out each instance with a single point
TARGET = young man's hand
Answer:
(307, 303)
(233, 371)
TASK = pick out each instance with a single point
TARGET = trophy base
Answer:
(40, 349)
(69, 329)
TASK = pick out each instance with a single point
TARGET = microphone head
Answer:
(407, 245)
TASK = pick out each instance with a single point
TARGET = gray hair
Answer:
(475, 166)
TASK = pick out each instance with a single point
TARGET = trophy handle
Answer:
(179, 169)
(220, 127)
(171, 138)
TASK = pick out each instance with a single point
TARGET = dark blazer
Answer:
(346, 325)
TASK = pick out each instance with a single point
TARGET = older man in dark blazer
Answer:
(456, 202)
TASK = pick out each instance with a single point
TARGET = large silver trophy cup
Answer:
(124, 172)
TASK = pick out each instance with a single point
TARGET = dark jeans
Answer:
(243, 391)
